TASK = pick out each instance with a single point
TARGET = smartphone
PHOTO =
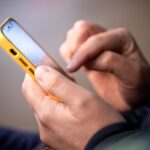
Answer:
(24, 49)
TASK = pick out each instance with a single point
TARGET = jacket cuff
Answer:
(107, 132)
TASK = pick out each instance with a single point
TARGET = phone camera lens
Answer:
(9, 26)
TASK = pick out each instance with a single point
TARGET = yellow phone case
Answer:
(20, 59)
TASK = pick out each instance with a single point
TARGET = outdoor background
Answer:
(48, 21)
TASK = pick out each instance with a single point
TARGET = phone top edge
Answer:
(1, 25)
(5, 21)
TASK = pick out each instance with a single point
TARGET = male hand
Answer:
(112, 61)
(70, 124)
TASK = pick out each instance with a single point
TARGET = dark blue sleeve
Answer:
(17, 140)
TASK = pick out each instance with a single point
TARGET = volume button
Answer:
(23, 62)
(31, 70)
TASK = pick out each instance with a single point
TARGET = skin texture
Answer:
(70, 124)
(112, 61)
(116, 68)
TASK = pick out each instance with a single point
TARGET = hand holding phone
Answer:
(24, 50)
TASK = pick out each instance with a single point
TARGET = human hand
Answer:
(112, 61)
(70, 124)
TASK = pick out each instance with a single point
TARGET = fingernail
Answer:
(39, 72)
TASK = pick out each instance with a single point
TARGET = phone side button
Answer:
(23, 62)
(31, 70)
(13, 52)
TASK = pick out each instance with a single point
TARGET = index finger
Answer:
(76, 36)
(113, 40)
(35, 96)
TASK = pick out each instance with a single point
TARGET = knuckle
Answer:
(81, 24)
(66, 51)
(109, 55)
(26, 86)
(84, 101)
(127, 38)
(99, 37)
(63, 50)
(44, 117)
(123, 31)
(95, 38)
(98, 40)
(26, 91)
(107, 58)
(70, 33)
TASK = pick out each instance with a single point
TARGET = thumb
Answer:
(53, 82)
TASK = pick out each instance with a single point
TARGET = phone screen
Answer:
(26, 45)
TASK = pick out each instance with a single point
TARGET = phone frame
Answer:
(7, 45)
(20, 59)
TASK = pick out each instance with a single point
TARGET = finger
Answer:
(66, 52)
(36, 97)
(91, 28)
(81, 31)
(55, 83)
(29, 87)
(115, 40)
(114, 63)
